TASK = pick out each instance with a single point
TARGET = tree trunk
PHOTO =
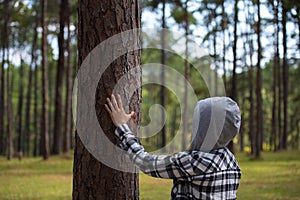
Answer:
(224, 25)
(57, 139)
(9, 113)
(275, 69)
(36, 128)
(69, 74)
(4, 60)
(10, 144)
(99, 21)
(29, 91)
(187, 79)
(234, 50)
(249, 21)
(2, 91)
(259, 117)
(20, 112)
(36, 123)
(163, 62)
(45, 125)
(285, 77)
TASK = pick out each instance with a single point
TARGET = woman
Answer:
(208, 170)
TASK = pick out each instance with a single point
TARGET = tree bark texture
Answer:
(98, 21)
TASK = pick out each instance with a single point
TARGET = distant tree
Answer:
(163, 62)
(20, 111)
(10, 145)
(285, 77)
(154, 4)
(28, 115)
(184, 18)
(233, 94)
(4, 49)
(273, 142)
(259, 112)
(57, 143)
(69, 73)
(45, 125)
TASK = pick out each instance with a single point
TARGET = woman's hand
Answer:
(116, 111)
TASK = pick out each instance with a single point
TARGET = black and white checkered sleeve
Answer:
(182, 164)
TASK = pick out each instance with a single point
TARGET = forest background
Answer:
(254, 46)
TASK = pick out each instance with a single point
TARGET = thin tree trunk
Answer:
(36, 122)
(2, 89)
(187, 78)
(29, 91)
(234, 50)
(215, 62)
(224, 25)
(92, 179)
(20, 112)
(9, 113)
(45, 125)
(163, 62)
(275, 68)
(249, 21)
(10, 144)
(69, 73)
(285, 77)
(259, 117)
(36, 140)
(57, 139)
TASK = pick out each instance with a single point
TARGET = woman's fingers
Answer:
(107, 109)
(120, 102)
(114, 102)
(110, 104)
(116, 111)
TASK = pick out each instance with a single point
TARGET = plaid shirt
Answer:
(195, 174)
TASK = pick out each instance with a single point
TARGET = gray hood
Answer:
(216, 122)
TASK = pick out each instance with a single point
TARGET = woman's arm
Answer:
(182, 164)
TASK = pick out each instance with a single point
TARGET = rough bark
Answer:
(99, 20)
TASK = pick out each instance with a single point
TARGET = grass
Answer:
(276, 176)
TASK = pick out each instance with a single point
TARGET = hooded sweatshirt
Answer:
(216, 122)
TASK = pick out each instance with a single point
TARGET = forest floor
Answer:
(276, 176)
